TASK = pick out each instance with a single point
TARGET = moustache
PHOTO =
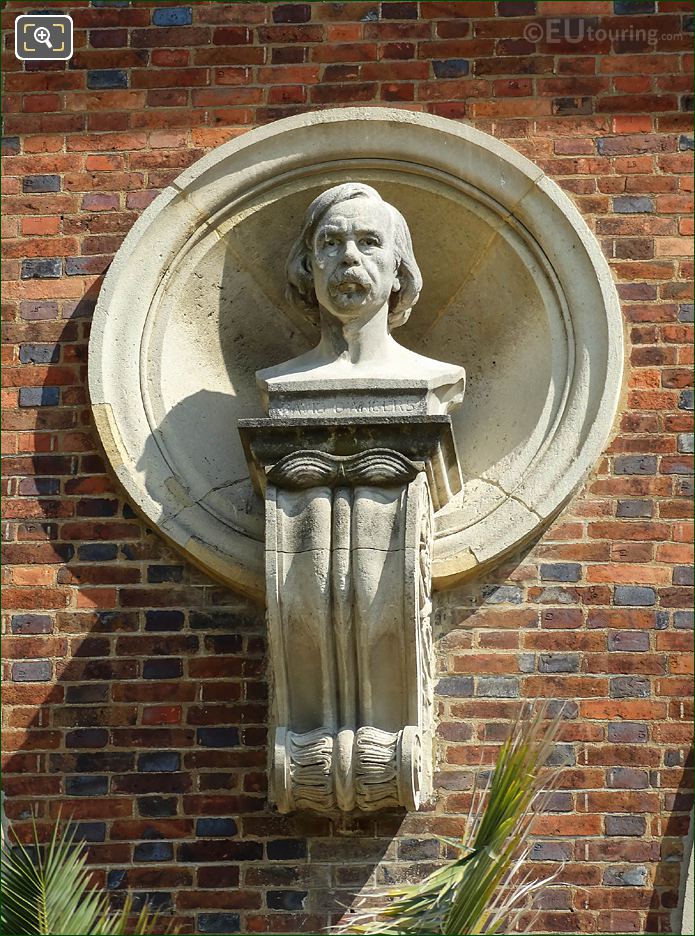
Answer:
(348, 278)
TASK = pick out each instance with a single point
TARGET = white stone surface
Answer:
(516, 291)
(351, 658)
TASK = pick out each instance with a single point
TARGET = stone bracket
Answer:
(349, 529)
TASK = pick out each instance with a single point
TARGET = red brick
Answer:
(196, 87)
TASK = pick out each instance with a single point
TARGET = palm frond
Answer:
(46, 889)
(477, 892)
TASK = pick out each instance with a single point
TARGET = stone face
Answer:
(222, 311)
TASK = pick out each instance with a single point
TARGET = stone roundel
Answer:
(515, 289)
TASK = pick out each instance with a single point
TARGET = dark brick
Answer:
(218, 737)
(686, 312)
(88, 831)
(220, 850)
(104, 761)
(209, 828)
(219, 922)
(498, 687)
(633, 204)
(155, 807)
(97, 552)
(286, 899)
(629, 687)
(224, 620)
(86, 786)
(685, 401)
(394, 9)
(41, 183)
(83, 695)
(418, 849)
(635, 465)
(39, 353)
(155, 901)
(292, 13)
(686, 143)
(686, 443)
(626, 825)
(551, 851)
(639, 596)
(683, 620)
(97, 507)
(561, 571)
(451, 68)
(34, 671)
(516, 8)
(42, 268)
(172, 16)
(630, 876)
(167, 668)
(159, 762)
(164, 620)
(101, 78)
(558, 663)
(628, 641)
(457, 686)
(116, 878)
(562, 755)
(625, 7)
(503, 594)
(164, 573)
(628, 733)
(683, 575)
(39, 396)
(628, 778)
(33, 311)
(10, 146)
(31, 624)
(286, 849)
(87, 738)
(635, 509)
(153, 851)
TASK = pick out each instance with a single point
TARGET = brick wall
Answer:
(134, 685)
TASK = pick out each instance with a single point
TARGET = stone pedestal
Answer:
(349, 541)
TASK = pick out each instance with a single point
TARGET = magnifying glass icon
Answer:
(41, 34)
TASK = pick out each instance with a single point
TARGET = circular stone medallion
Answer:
(516, 290)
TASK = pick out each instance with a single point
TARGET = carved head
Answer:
(353, 254)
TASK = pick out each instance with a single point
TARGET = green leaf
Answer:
(479, 892)
(46, 890)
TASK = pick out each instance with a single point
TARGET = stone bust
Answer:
(353, 266)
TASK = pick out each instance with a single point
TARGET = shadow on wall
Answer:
(676, 844)
(140, 684)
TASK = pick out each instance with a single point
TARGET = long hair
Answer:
(300, 281)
